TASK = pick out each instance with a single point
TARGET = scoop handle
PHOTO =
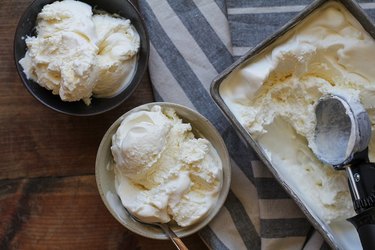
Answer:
(365, 225)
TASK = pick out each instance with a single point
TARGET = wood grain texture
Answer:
(48, 194)
(65, 213)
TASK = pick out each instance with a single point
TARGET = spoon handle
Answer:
(174, 238)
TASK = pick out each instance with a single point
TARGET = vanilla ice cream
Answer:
(274, 96)
(77, 54)
(163, 172)
(118, 43)
(72, 16)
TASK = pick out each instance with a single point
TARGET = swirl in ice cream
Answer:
(163, 172)
(77, 54)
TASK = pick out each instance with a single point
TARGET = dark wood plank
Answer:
(65, 213)
(35, 141)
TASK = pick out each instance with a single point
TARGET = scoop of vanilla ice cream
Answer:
(67, 15)
(200, 155)
(118, 43)
(177, 177)
(62, 56)
(53, 64)
(329, 52)
(139, 142)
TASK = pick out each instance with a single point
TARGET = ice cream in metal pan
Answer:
(271, 93)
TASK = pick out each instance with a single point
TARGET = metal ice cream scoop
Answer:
(343, 129)
(341, 138)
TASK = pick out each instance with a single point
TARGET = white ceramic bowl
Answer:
(105, 177)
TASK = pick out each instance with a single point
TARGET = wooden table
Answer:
(48, 193)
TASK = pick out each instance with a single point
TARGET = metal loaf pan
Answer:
(364, 20)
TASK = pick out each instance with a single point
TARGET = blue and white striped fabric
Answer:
(191, 42)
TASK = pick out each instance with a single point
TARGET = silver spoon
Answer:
(166, 229)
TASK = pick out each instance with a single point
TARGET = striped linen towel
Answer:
(192, 41)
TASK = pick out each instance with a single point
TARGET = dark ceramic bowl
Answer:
(26, 27)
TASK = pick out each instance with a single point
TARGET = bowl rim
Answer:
(226, 170)
(132, 85)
